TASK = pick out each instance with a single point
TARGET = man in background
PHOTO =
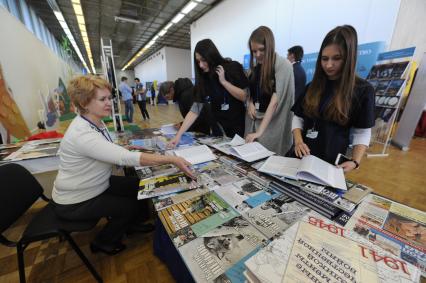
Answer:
(295, 55)
(126, 96)
(141, 98)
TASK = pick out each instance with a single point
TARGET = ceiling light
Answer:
(126, 20)
(162, 32)
(67, 31)
(188, 8)
(177, 18)
(168, 26)
(83, 31)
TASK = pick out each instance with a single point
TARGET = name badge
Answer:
(312, 134)
(257, 105)
(224, 107)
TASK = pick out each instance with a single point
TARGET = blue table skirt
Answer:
(169, 255)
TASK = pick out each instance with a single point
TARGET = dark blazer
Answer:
(299, 80)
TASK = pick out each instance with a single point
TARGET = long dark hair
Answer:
(338, 109)
(206, 49)
(263, 35)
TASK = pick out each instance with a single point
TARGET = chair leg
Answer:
(21, 266)
(83, 257)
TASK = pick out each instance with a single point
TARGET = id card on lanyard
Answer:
(312, 133)
(96, 128)
(225, 105)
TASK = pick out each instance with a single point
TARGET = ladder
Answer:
(108, 68)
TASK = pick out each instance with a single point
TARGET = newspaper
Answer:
(317, 250)
(396, 228)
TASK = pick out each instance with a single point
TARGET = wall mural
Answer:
(10, 115)
(65, 106)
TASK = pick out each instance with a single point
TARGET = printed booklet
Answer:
(309, 168)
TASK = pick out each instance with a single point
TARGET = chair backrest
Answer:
(18, 191)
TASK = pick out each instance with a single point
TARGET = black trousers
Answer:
(142, 107)
(118, 203)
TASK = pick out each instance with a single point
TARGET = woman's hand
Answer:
(220, 71)
(347, 166)
(184, 166)
(251, 110)
(173, 142)
(252, 137)
(301, 149)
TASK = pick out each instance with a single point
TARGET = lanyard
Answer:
(96, 128)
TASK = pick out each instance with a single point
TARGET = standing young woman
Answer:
(271, 78)
(220, 87)
(336, 103)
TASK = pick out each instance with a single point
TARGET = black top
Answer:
(299, 80)
(184, 95)
(333, 138)
(232, 120)
(257, 94)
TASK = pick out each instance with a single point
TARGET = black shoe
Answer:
(107, 249)
(141, 228)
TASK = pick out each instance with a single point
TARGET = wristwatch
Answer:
(356, 163)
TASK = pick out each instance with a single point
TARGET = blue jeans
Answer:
(128, 110)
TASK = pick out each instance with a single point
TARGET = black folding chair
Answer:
(19, 190)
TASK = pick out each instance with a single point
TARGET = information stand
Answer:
(388, 77)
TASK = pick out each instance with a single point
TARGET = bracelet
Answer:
(356, 163)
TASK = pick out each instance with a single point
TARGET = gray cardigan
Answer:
(277, 136)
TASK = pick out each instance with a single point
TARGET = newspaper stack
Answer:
(317, 250)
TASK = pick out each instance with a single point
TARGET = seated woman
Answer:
(84, 188)
(336, 104)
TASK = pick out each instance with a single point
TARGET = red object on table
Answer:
(45, 135)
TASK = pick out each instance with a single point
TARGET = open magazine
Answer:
(309, 168)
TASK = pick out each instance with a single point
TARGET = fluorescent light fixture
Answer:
(168, 26)
(83, 31)
(188, 8)
(177, 18)
(199, 1)
(126, 20)
(162, 32)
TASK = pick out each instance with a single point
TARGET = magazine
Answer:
(163, 185)
(212, 254)
(274, 216)
(356, 192)
(305, 198)
(163, 202)
(394, 227)
(191, 211)
(318, 250)
(196, 154)
(145, 172)
(309, 168)
(34, 150)
(223, 175)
